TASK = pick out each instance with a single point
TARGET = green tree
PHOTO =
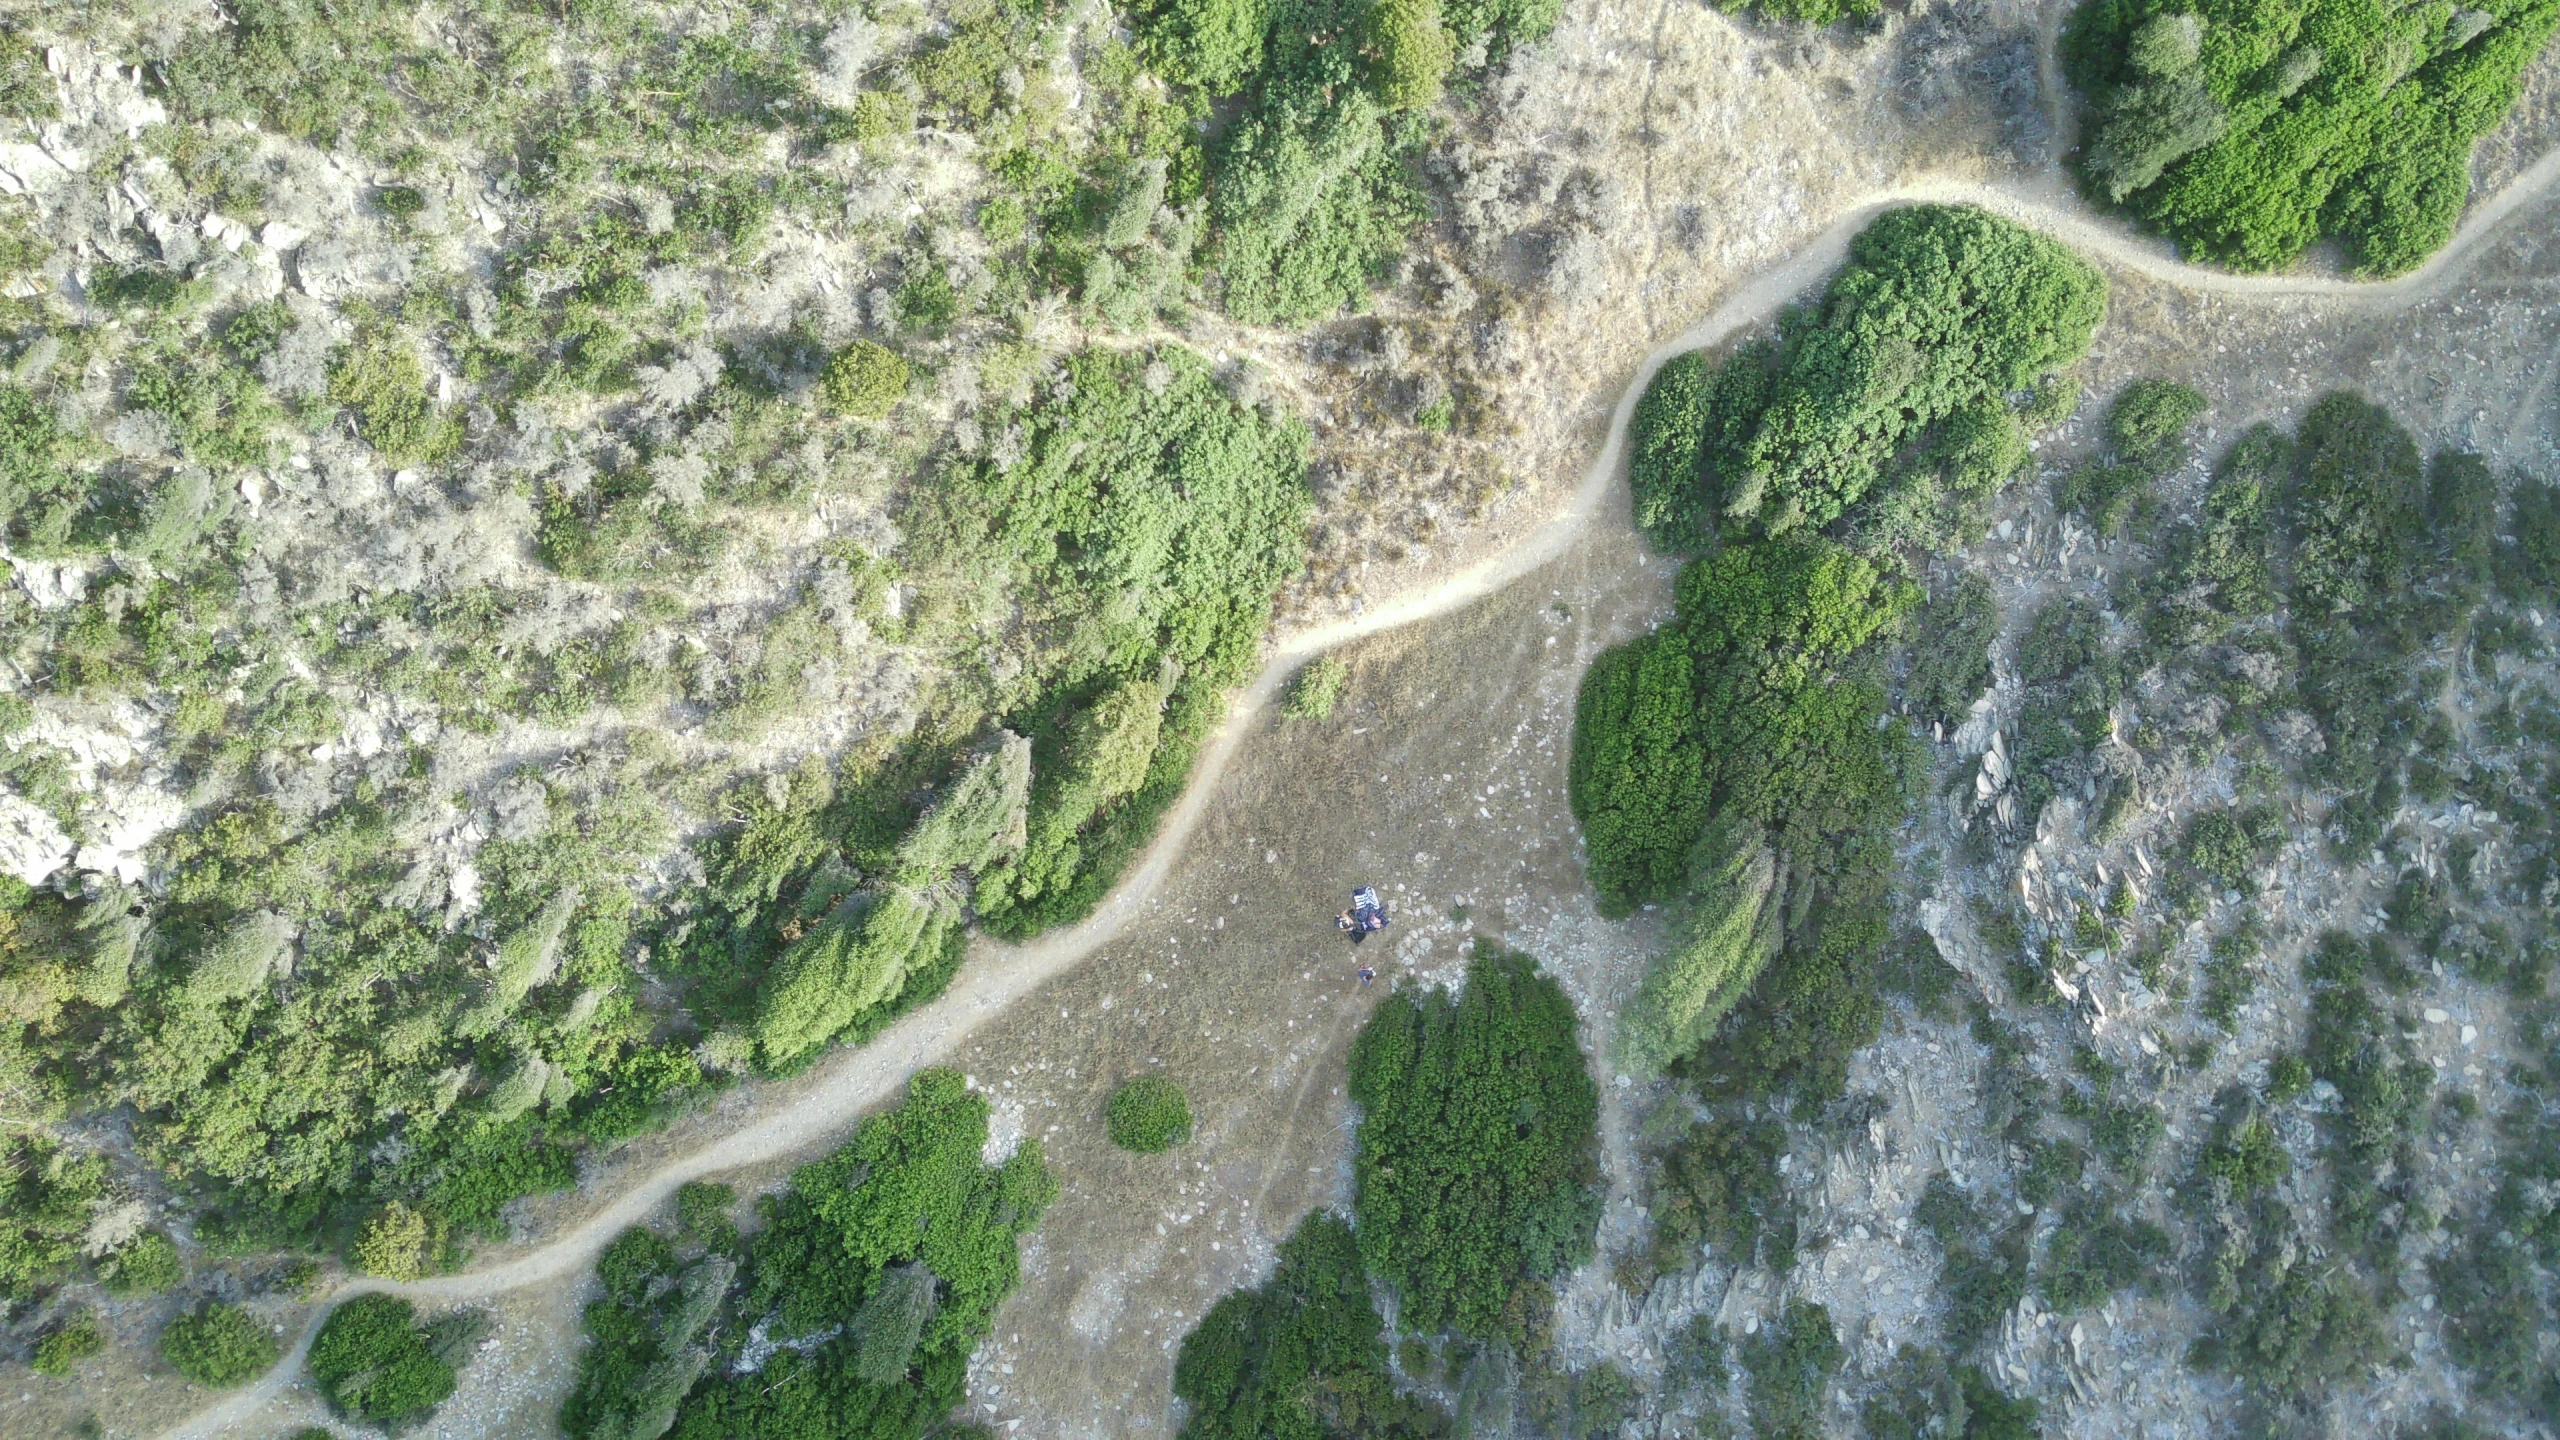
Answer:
(1303, 1354)
(1478, 1161)
(219, 1345)
(372, 1362)
(1409, 53)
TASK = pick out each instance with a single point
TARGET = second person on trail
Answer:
(1367, 913)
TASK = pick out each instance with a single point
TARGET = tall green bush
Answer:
(373, 1362)
(1727, 934)
(1638, 778)
(1478, 1160)
(1759, 699)
(862, 952)
(2249, 133)
(1941, 316)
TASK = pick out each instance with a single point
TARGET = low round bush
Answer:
(67, 1344)
(1149, 1116)
(865, 380)
(144, 1265)
(371, 1361)
(1316, 689)
(219, 1345)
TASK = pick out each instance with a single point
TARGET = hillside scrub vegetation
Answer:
(2299, 626)
(1898, 400)
(877, 1270)
(1478, 1167)
(592, 657)
(2250, 133)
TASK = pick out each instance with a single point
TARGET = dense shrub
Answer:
(1303, 1354)
(1892, 393)
(218, 1344)
(372, 1362)
(1478, 1160)
(864, 380)
(1925, 1398)
(46, 1196)
(2228, 846)
(2146, 439)
(2530, 568)
(1718, 1187)
(2249, 133)
(879, 1268)
(2356, 506)
(2217, 571)
(1146, 526)
(1309, 187)
(1316, 689)
(60, 1350)
(2148, 423)
(2294, 1323)
(2097, 1251)
(1149, 1115)
(1984, 1269)
(1790, 1364)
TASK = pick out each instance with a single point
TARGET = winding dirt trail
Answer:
(852, 1082)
